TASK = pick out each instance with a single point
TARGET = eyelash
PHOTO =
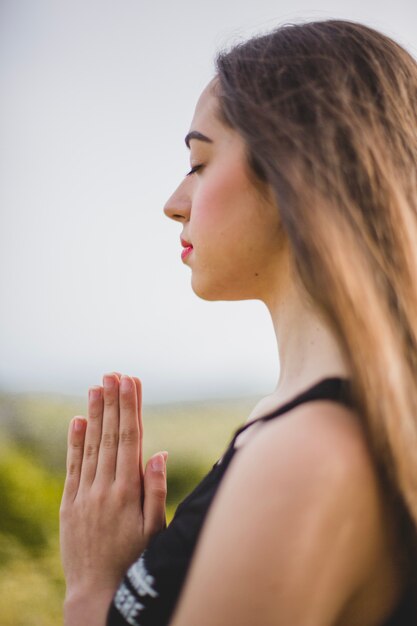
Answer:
(193, 170)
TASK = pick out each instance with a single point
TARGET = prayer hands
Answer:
(110, 508)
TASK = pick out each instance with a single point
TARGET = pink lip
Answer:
(186, 252)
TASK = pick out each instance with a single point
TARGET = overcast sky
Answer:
(96, 98)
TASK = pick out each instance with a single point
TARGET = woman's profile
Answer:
(302, 193)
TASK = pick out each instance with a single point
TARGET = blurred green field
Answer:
(33, 434)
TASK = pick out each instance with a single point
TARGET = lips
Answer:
(185, 244)
(186, 252)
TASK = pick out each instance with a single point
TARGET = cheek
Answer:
(219, 204)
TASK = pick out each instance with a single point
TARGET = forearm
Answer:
(87, 609)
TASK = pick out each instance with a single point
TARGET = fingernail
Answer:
(78, 424)
(158, 463)
(125, 383)
(94, 393)
(108, 381)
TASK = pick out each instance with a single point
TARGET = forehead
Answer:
(205, 109)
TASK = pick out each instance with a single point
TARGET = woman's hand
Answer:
(110, 508)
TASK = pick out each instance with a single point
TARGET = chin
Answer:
(214, 293)
(206, 293)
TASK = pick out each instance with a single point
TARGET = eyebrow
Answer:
(194, 134)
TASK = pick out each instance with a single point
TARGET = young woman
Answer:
(302, 193)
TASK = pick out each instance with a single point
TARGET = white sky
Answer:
(96, 98)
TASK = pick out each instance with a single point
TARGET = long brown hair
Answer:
(328, 111)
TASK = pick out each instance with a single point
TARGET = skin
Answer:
(220, 210)
(110, 506)
(306, 462)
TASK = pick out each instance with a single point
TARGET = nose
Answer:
(178, 205)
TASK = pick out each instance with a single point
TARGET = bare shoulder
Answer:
(301, 497)
(318, 453)
(320, 426)
(317, 459)
(323, 436)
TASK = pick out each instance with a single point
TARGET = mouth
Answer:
(185, 243)
(186, 252)
(188, 247)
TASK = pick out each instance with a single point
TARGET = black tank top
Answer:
(151, 587)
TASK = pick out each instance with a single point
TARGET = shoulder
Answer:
(314, 489)
(320, 429)
(318, 441)
(293, 528)
(317, 449)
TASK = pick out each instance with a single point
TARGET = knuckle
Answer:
(124, 494)
(94, 414)
(73, 470)
(109, 400)
(81, 501)
(99, 495)
(128, 436)
(159, 492)
(109, 440)
(135, 484)
(91, 451)
(77, 446)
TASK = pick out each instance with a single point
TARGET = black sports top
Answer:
(151, 587)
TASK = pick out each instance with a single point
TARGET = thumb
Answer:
(155, 494)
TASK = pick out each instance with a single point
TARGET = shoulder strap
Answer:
(337, 389)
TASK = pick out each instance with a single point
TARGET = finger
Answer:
(92, 435)
(165, 455)
(128, 449)
(106, 464)
(118, 374)
(155, 495)
(76, 434)
(138, 386)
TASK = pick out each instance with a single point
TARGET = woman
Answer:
(302, 194)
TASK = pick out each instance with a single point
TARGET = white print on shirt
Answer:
(142, 581)
(140, 578)
(125, 602)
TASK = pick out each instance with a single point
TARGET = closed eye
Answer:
(193, 170)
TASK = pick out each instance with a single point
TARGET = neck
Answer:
(307, 349)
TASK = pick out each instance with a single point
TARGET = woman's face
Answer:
(235, 232)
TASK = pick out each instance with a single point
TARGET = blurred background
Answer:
(96, 99)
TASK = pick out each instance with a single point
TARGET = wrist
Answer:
(87, 607)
